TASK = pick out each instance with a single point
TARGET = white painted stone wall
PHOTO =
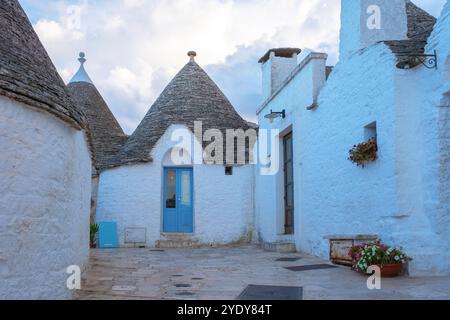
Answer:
(223, 205)
(434, 110)
(299, 92)
(442, 34)
(45, 191)
(404, 196)
(338, 196)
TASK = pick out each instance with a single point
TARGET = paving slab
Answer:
(225, 273)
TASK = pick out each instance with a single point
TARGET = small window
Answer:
(370, 131)
(228, 170)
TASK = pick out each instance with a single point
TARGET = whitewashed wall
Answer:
(404, 196)
(45, 192)
(338, 196)
(433, 114)
(223, 205)
(299, 92)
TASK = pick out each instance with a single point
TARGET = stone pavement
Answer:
(223, 273)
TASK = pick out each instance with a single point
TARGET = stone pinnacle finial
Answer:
(192, 55)
(82, 58)
(81, 75)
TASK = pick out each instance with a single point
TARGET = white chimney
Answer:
(277, 65)
(366, 22)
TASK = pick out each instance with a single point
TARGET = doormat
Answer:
(183, 285)
(288, 259)
(185, 293)
(258, 293)
(311, 267)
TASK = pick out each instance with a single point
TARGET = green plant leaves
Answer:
(94, 229)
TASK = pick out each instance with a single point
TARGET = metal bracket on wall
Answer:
(429, 61)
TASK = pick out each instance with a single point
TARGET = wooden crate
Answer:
(340, 247)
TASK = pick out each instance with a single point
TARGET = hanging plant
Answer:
(364, 153)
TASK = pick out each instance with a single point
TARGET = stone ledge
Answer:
(352, 237)
(281, 247)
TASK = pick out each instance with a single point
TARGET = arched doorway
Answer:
(178, 197)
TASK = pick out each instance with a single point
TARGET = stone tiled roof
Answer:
(190, 96)
(26, 71)
(107, 135)
(280, 52)
(420, 26)
(420, 22)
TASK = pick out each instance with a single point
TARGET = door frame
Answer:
(288, 229)
(163, 196)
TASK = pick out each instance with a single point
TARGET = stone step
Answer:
(177, 244)
(281, 247)
(177, 236)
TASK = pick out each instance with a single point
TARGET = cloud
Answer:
(133, 3)
(134, 47)
(114, 23)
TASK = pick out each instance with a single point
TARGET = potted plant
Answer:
(390, 260)
(93, 235)
(364, 153)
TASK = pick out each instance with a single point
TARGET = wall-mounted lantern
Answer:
(275, 115)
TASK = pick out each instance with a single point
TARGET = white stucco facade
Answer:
(45, 193)
(298, 92)
(403, 197)
(223, 205)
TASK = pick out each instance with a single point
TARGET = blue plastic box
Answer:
(107, 235)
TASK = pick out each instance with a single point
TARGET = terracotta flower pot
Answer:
(93, 246)
(391, 270)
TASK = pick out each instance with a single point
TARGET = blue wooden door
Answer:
(178, 200)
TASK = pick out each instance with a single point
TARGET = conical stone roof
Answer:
(26, 72)
(107, 135)
(420, 27)
(191, 96)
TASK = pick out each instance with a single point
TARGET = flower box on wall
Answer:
(364, 153)
(389, 259)
(341, 244)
